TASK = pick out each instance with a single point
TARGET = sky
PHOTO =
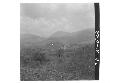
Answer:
(44, 19)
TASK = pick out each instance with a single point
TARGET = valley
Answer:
(68, 56)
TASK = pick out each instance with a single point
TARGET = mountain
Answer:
(86, 35)
(59, 38)
(60, 34)
(74, 37)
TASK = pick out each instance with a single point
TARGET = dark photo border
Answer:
(97, 40)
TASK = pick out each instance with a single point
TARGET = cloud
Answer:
(43, 26)
(36, 10)
(45, 19)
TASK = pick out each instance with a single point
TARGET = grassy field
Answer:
(41, 64)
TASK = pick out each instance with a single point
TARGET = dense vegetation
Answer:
(60, 64)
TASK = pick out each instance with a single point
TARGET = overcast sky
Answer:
(46, 18)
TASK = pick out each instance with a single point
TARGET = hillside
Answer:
(30, 39)
(60, 34)
(59, 37)
(75, 37)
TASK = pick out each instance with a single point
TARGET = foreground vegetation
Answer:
(61, 64)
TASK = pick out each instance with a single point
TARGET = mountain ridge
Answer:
(60, 36)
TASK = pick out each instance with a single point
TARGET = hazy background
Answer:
(44, 19)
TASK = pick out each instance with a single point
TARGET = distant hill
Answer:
(84, 35)
(60, 34)
(74, 37)
(59, 37)
(30, 39)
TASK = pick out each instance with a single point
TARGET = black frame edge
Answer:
(97, 40)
